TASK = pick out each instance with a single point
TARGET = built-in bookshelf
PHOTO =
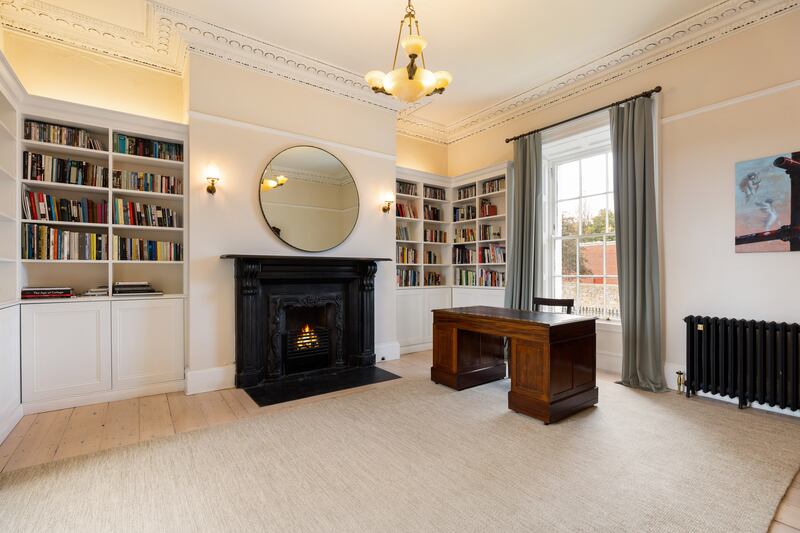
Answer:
(9, 194)
(452, 233)
(102, 201)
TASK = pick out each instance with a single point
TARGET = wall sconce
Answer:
(271, 183)
(388, 200)
(212, 176)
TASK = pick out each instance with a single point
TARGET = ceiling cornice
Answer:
(706, 27)
(169, 34)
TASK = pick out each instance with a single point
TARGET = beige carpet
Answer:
(413, 456)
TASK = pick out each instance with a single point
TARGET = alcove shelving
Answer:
(9, 204)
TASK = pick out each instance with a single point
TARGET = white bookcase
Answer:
(9, 204)
(453, 271)
(85, 350)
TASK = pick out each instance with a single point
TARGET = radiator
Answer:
(748, 360)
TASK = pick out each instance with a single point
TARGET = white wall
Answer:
(239, 120)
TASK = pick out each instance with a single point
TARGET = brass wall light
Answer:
(387, 203)
(272, 183)
(212, 177)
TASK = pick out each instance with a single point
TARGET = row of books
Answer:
(407, 188)
(489, 231)
(406, 254)
(488, 209)
(435, 235)
(131, 288)
(407, 277)
(465, 278)
(464, 235)
(494, 253)
(405, 210)
(402, 233)
(147, 182)
(494, 185)
(434, 279)
(42, 206)
(431, 258)
(470, 191)
(127, 144)
(43, 242)
(432, 213)
(491, 278)
(41, 167)
(433, 193)
(56, 134)
(466, 212)
(128, 249)
(140, 214)
(464, 256)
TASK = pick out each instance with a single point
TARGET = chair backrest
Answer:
(566, 303)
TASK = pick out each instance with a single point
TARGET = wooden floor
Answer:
(55, 435)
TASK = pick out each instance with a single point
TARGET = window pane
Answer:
(590, 259)
(610, 157)
(564, 287)
(566, 257)
(612, 298)
(592, 297)
(567, 218)
(593, 174)
(611, 220)
(593, 215)
(611, 256)
(567, 180)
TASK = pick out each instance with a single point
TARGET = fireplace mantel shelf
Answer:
(310, 258)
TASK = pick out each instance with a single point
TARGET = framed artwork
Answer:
(768, 204)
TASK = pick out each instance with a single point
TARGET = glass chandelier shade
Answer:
(410, 83)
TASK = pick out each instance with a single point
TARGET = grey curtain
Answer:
(525, 213)
(637, 244)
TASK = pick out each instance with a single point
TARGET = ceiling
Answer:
(495, 50)
(507, 57)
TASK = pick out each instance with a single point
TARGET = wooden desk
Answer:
(552, 362)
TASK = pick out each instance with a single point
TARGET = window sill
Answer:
(609, 325)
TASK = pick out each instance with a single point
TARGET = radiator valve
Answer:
(680, 380)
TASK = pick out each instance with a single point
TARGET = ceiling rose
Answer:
(409, 83)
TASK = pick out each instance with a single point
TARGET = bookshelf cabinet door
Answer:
(66, 349)
(148, 342)
(434, 299)
(410, 320)
(9, 366)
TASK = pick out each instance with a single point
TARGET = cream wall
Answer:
(238, 121)
(53, 71)
(421, 155)
(699, 147)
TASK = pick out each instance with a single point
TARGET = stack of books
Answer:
(102, 290)
(31, 293)
(134, 288)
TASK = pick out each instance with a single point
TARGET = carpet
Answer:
(409, 455)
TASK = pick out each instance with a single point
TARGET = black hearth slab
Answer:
(295, 389)
(304, 258)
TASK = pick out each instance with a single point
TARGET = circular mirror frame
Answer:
(266, 219)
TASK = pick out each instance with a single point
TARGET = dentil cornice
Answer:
(169, 34)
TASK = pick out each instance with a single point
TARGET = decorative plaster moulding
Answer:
(169, 34)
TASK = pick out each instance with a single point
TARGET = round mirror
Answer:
(309, 198)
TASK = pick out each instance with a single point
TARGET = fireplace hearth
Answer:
(304, 325)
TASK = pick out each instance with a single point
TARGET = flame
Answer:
(306, 329)
(307, 339)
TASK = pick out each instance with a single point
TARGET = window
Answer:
(582, 245)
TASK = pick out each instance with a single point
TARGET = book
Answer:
(46, 292)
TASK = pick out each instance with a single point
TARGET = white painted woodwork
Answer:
(66, 349)
(148, 342)
(434, 299)
(9, 364)
(465, 297)
(410, 320)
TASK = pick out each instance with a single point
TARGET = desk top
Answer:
(503, 313)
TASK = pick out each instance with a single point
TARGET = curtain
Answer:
(632, 141)
(525, 247)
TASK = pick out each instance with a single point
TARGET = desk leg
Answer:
(464, 359)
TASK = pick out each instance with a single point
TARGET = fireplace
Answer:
(299, 318)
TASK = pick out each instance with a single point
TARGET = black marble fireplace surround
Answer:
(304, 325)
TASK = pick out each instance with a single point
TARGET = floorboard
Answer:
(14, 439)
(41, 441)
(122, 427)
(215, 408)
(187, 415)
(84, 431)
(155, 419)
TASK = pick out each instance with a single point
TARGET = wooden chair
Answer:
(567, 304)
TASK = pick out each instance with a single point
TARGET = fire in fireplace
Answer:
(307, 349)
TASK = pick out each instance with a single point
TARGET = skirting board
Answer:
(102, 397)
(210, 379)
(8, 423)
(386, 351)
(414, 348)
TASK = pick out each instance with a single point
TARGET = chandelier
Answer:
(409, 83)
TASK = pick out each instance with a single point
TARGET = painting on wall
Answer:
(766, 219)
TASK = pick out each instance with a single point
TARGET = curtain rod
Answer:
(646, 94)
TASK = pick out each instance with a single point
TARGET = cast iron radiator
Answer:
(752, 361)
